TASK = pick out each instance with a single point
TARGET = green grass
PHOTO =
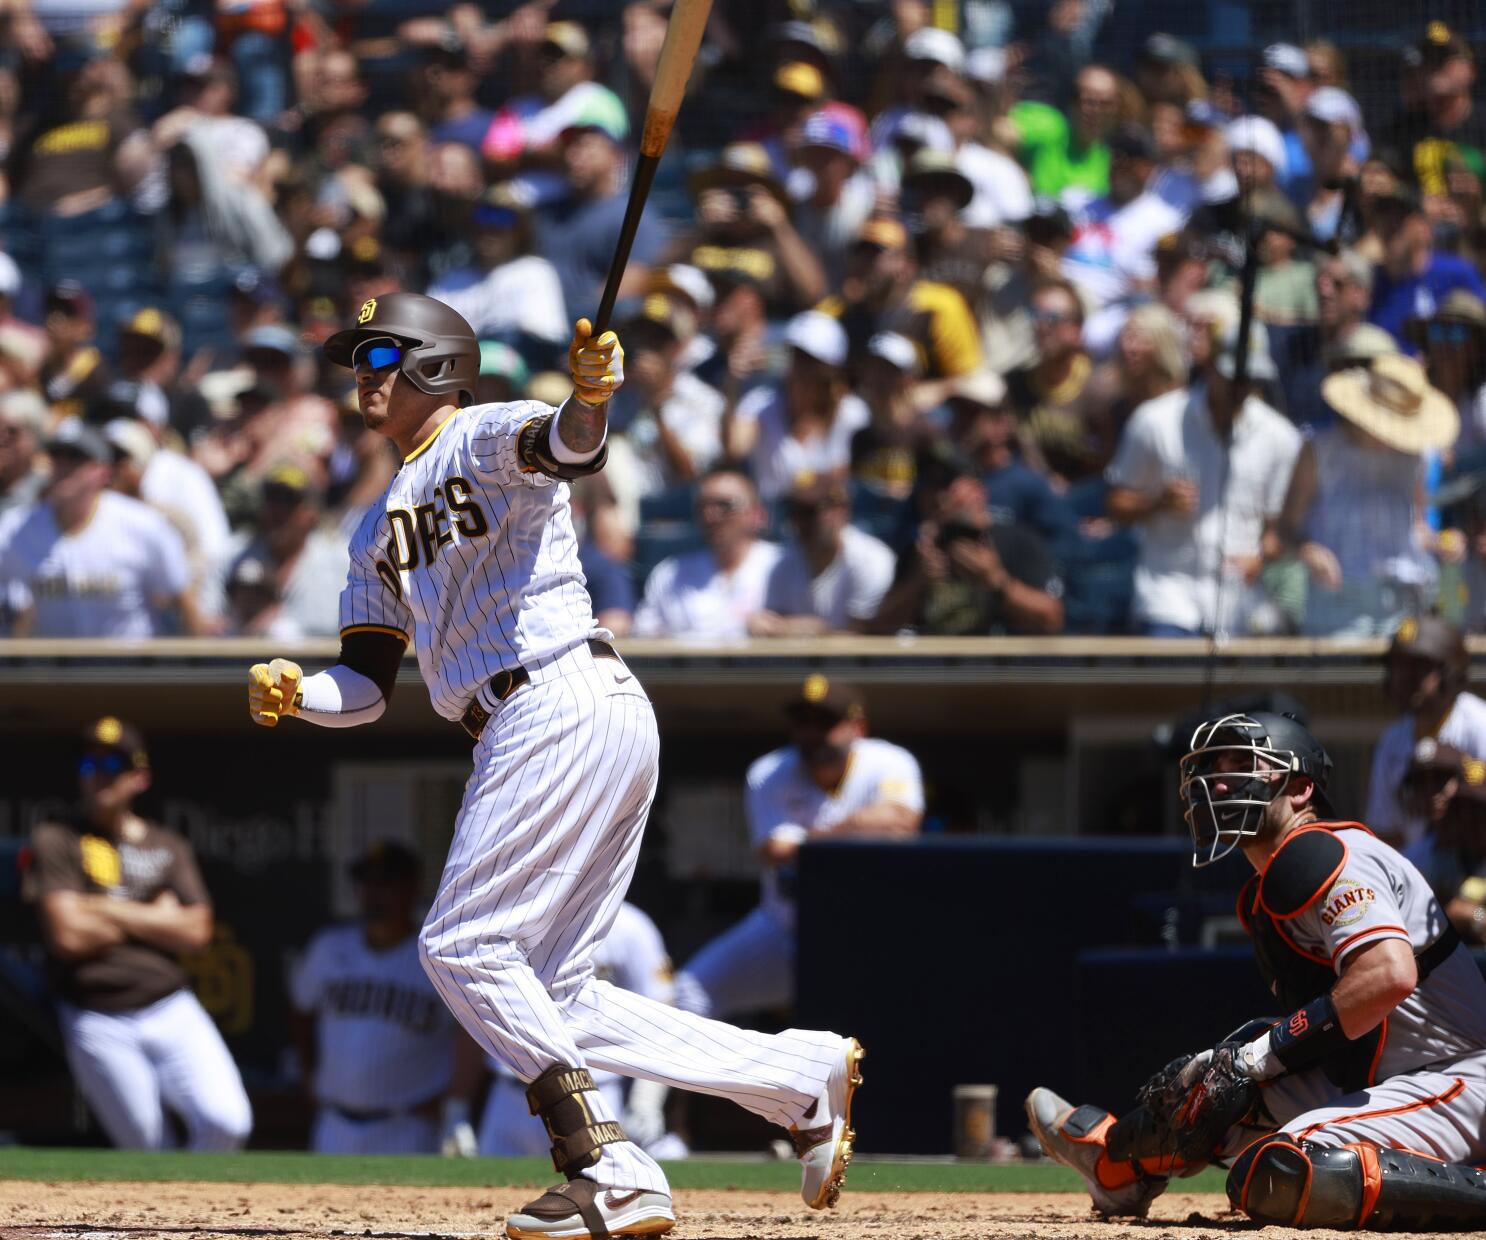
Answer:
(867, 1175)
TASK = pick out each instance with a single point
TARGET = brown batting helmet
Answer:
(440, 352)
(1429, 637)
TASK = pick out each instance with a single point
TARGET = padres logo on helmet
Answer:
(368, 308)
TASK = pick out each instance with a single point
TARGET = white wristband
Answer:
(340, 697)
(561, 452)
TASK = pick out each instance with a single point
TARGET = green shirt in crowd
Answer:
(1050, 153)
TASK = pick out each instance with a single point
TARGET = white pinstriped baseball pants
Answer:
(543, 852)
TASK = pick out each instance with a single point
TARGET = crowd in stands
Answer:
(926, 329)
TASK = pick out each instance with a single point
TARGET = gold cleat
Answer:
(825, 1150)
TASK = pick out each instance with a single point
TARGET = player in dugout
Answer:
(1361, 1105)
(120, 900)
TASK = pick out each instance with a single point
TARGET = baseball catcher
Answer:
(1362, 1104)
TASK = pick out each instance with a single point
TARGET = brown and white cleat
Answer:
(825, 1148)
(582, 1210)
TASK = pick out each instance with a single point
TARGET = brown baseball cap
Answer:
(116, 735)
(824, 696)
(387, 860)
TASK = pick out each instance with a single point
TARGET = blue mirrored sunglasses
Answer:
(109, 764)
(379, 354)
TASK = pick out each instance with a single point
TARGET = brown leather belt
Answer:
(504, 683)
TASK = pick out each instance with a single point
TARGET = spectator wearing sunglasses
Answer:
(510, 293)
(713, 593)
(1452, 345)
(85, 561)
(832, 576)
(120, 900)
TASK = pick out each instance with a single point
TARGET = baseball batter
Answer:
(120, 900)
(833, 780)
(471, 556)
(1364, 1104)
(375, 1039)
(632, 956)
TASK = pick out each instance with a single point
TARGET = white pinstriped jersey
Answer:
(470, 556)
(1380, 895)
(385, 1038)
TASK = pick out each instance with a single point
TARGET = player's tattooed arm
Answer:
(582, 426)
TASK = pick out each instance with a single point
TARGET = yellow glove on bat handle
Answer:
(273, 691)
(596, 366)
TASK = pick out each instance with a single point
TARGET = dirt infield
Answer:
(105, 1211)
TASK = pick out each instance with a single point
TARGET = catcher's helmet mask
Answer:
(441, 355)
(1271, 744)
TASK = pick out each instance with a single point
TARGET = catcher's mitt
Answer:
(1197, 1099)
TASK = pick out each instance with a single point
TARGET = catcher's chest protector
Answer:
(1297, 877)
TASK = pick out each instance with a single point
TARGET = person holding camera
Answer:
(966, 574)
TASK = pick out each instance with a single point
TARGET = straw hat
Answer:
(1393, 402)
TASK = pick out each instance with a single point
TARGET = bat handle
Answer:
(639, 191)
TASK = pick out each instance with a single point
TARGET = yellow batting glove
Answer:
(597, 366)
(273, 691)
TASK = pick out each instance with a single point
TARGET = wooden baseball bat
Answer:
(677, 55)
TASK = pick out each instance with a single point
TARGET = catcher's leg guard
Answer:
(1298, 1184)
(1138, 1141)
(557, 1097)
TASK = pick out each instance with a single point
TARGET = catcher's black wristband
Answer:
(1308, 1036)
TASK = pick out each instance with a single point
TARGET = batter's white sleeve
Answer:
(340, 697)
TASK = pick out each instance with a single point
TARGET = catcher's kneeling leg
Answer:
(577, 1138)
(1298, 1184)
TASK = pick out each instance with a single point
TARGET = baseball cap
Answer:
(1259, 135)
(115, 735)
(70, 297)
(689, 282)
(741, 165)
(987, 65)
(132, 438)
(1439, 45)
(826, 696)
(601, 112)
(798, 77)
(500, 359)
(818, 335)
(940, 46)
(1335, 106)
(24, 407)
(1133, 142)
(812, 489)
(1167, 49)
(883, 231)
(933, 173)
(1261, 364)
(568, 37)
(919, 129)
(77, 437)
(982, 386)
(274, 338)
(387, 860)
(152, 324)
(829, 130)
(1287, 59)
(290, 478)
(896, 350)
